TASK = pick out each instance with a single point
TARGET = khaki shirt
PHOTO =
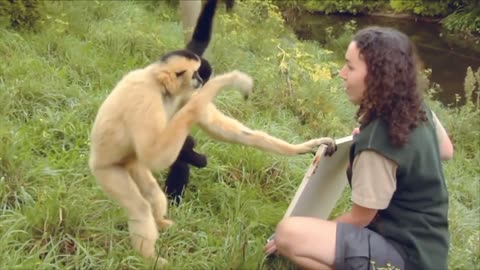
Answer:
(373, 180)
(373, 175)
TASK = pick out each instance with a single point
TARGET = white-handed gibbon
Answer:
(141, 127)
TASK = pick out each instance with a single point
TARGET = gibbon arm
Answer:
(221, 127)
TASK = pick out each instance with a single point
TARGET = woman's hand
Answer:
(355, 131)
(444, 143)
(270, 247)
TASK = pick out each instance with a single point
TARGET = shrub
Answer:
(20, 14)
(465, 20)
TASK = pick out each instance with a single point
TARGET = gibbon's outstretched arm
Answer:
(221, 127)
(158, 149)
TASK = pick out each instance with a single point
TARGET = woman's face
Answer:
(353, 74)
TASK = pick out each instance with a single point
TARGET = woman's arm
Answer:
(444, 143)
(359, 216)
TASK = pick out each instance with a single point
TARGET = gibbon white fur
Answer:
(142, 125)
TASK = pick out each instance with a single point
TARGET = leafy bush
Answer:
(424, 7)
(350, 6)
(465, 20)
(21, 14)
(459, 15)
(328, 7)
(340, 39)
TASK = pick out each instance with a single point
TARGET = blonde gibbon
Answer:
(142, 125)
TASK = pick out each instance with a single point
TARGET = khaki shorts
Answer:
(357, 247)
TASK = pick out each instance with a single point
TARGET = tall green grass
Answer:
(54, 216)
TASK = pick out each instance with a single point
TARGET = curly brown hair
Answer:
(392, 93)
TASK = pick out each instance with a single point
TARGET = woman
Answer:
(399, 207)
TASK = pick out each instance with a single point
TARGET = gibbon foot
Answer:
(164, 223)
(143, 234)
(236, 79)
(159, 263)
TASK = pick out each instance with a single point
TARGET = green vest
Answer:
(416, 220)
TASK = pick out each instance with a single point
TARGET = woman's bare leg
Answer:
(308, 242)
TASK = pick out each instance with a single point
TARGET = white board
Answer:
(322, 184)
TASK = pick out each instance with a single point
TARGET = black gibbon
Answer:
(179, 173)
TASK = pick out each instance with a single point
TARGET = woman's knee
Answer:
(293, 235)
(286, 233)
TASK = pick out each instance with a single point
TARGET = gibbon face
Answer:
(180, 71)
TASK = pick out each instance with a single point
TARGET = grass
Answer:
(54, 216)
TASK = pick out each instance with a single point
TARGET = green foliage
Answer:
(425, 7)
(54, 216)
(466, 20)
(419, 7)
(20, 14)
(328, 7)
(458, 15)
(463, 176)
(336, 39)
(349, 6)
(472, 86)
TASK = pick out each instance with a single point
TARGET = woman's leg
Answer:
(308, 242)
(313, 243)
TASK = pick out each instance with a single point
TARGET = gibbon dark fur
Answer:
(179, 173)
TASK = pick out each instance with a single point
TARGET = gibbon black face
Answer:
(183, 53)
(187, 67)
(200, 76)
